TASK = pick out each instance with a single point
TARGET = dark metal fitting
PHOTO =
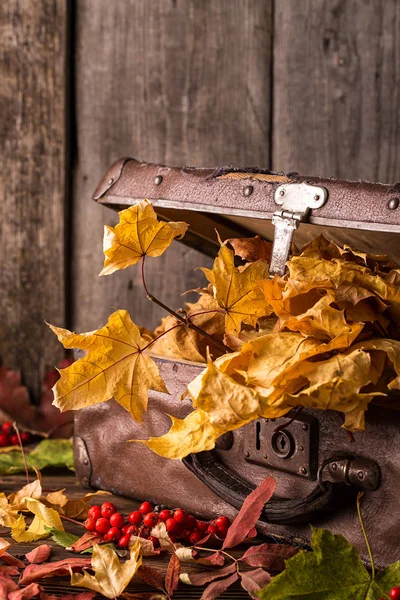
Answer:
(158, 179)
(393, 203)
(248, 190)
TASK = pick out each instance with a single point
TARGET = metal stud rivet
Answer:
(158, 179)
(316, 197)
(109, 182)
(305, 427)
(333, 466)
(360, 475)
(281, 192)
(248, 190)
(247, 454)
(393, 203)
(85, 461)
(303, 471)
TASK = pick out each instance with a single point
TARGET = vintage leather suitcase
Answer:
(319, 470)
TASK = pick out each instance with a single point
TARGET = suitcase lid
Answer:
(243, 202)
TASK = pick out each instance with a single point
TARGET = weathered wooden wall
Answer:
(32, 182)
(306, 85)
(169, 81)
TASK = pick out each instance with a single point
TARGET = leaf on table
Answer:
(114, 366)
(333, 569)
(139, 233)
(146, 546)
(153, 577)
(251, 249)
(238, 293)
(9, 570)
(110, 576)
(31, 591)
(12, 561)
(76, 508)
(7, 585)
(202, 577)
(185, 343)
(216, 559)
(39, 554)
(30, 490)
(52, 453)
(172, 575)
(160, 532)
(44, 519)
(216, 588)
(87, 540)
(250, 512)
(53, 569)
(4, 546)
(254, 581)
(9, 515)
(62, 538)
(269, 556)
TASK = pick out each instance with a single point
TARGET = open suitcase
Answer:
(319, 470)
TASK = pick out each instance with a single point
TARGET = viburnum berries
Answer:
(117, 520)
(9, 437)
(145, 508)
(180, 516)
(165, 514)
(102, 525)
(395, 593)
(90, 524)
(135, 517)
(95, 512)
(107, 509)
(150, 520)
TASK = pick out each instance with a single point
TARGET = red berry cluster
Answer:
(111, 525)
(8, 435)
(394, 594)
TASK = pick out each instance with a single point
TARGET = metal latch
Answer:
(295, 200)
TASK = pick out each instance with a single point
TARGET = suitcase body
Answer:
(214, 482)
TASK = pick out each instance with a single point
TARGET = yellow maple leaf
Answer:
(114, 366)
(74, 508)
(237, 292)
(111, 576)
(44, 519)
(138, 234)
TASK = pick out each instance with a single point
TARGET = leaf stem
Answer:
(71, 520)
(22, 452)
(179, 317)
(371, 558)
(160, 336)
(214, 550)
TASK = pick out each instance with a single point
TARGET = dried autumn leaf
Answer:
(172, 575)
(114, 366)
(269, 556)
(7, 585)
(254, 581)
(203, 577)
(251, 249)
(39, 555)
(216, 588)
(52, 569)
(111, 577)
(138, 234)
(76, 508)
(31, 591)
(152, 577)
(249, 513)
(44, 519)
(238, 293)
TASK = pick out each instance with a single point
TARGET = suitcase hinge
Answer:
(296, 200)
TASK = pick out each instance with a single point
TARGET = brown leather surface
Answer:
(362, 203)
(131, 469)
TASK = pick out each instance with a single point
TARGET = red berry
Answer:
(135, 517)
(107, 509)
(14, 440)
(90, 524)
(102, 525)
(190, 522)
(180, 516)
(213, 529)
(185, 535)
(7, 428)
(222, 533)
(154, 540)
(195, 537)
(112, 534)
(202, 526)
(165, 514)
(117, 520)
(144, 532)
(395, 593)
(222, 522)
(124, 541)
(95, 512)
(145, 508)
(4, 440)
(25, 437)
(132, 530)
(150, 519)
(173, 526)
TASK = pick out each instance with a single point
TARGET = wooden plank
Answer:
(32, 190)
(169, 81)
(337, 88)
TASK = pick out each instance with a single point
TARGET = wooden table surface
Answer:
(59, 586)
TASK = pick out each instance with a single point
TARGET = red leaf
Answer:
(86, 541)
(13, 561)
(27, 593)
(7, 585)
(271, 556)
(203, 577)
(39, 555)
(172, 575)
(152, 577)
(61, 567)
(254, 581)
(249, 513)
(8, 570)
(217, 588)
(216, 559)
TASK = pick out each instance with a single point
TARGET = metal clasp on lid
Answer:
(295, 200)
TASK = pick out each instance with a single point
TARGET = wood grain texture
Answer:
(337, 88)
(32, 184)
(168, 81)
